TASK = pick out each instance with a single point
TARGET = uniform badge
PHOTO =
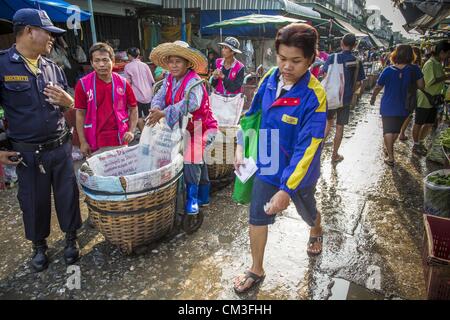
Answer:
(289, 119)
(16, 79)
(120, 91)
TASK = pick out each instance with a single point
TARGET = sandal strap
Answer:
(250, 275)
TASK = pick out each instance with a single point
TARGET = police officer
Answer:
(32, 93)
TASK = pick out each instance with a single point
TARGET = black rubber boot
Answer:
(39, 262)
(71, 251)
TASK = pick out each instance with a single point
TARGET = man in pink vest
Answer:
(171, 103)
(229, 74)
(106, 106)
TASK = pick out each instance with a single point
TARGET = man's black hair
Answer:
(18, 30)
(349, 40)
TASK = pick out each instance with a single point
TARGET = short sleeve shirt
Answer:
(349, 61)
(106, 120)
(431, 70)
(396, 82)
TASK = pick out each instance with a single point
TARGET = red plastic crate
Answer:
(436, 257)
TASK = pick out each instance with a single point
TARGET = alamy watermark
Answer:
(73, 21)
(74, 280)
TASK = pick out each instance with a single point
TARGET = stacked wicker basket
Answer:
(224, 148)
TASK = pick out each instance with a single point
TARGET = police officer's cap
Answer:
(36, 18)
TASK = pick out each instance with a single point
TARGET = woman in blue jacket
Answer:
(293, 106)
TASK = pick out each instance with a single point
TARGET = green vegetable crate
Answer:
(437, 193)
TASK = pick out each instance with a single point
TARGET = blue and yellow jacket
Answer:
(298, 119)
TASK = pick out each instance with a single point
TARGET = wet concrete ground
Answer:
(372, 243)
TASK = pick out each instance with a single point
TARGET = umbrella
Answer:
(254, 20)
(57, 10)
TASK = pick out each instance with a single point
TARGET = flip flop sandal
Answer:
(249, 275)
(311, 242)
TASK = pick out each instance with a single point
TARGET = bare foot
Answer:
(337, 158)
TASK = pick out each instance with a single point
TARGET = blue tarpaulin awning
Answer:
(57, 10)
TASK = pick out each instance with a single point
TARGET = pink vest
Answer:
(233, 74)
(119, 98)
(201, 123)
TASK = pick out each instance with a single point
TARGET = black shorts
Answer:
(392, 124)
(343, 115)
(304, 201)
(425, 116)
(143, 109)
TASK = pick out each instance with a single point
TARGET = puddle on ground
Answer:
(346, 290)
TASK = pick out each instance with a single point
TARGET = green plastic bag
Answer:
(250, 128)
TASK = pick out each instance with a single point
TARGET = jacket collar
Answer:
(273, 84)
(16, 57)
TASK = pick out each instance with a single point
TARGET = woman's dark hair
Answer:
(134, 52)
(102, 47)
(299, 35)
(403, 54)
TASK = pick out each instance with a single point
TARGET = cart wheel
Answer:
(192, 223)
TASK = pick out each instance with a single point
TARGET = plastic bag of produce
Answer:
(437, 193)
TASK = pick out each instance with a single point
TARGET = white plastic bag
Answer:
(334, 85)
(158, 146)
(227, 110)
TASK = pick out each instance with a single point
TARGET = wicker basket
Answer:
(135, 222)
(222, 169)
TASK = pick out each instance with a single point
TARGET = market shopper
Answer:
(141, 79)
(106, 106)
(33, 95)
(418, 62)
(427, 109)
(170, 102)
(396, 81)
(353, 75)
(293, 107)
(228, 77)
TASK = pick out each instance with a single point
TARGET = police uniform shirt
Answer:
(29, 116)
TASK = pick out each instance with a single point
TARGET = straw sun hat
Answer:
(160, 55)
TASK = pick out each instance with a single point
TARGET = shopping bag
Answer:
(334, 85)
(250, 129)
(227, 110)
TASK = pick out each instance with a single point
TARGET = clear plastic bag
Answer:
(437, 197)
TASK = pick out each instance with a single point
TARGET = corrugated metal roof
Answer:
(351, 28)
(285, 5)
